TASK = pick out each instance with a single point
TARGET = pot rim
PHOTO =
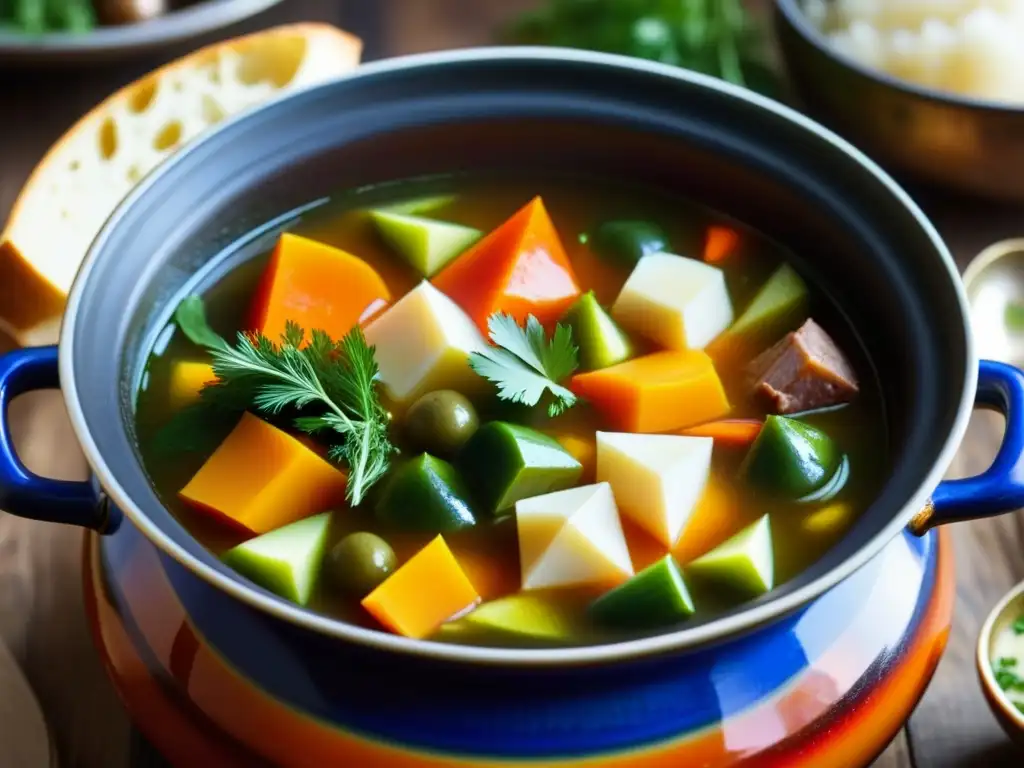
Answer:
(679, 640)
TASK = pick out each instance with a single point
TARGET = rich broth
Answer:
(488, 553)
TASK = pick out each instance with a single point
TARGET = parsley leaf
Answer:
(331, 385)
(1018, 626)
(524, 364)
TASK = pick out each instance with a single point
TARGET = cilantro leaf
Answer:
(524, 365)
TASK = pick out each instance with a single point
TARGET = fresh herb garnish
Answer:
(525, 365)
(1018, 626)
(1007, 680)
(1006, 661)
(332, 384)
(715, 37)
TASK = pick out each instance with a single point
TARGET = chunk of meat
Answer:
(804, 370)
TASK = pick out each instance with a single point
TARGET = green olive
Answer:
(441, 422)
(360, 562)
(626, 241)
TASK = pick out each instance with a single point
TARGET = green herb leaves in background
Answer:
(715, 37)
(34, 17)
(524, 364)
(332, 385)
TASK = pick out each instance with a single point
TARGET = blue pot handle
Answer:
(1000, 488)
(24, 493)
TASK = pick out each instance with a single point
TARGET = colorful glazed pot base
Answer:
(211, 682)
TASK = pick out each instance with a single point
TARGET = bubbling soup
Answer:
(511, 412)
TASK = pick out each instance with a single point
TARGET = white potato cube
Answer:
(677, 302)
(423, 343)
(571, 538)
(657, 479)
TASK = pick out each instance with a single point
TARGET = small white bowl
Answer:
(1008, 610)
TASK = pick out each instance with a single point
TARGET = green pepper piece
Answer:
(790, 458)
(626, 241)
(426, 495)
(426, 244)
(524, 617)
(505, 462)
(285, 561)
(779, 306)
(601, 341)
(654, 598)
(742, 567)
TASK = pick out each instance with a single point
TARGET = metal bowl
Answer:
(106, 44)
(972, 145)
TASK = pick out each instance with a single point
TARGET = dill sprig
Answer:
(331, 384)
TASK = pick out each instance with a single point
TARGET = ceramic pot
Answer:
(787, 679)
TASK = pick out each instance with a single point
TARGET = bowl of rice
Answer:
(930, 88)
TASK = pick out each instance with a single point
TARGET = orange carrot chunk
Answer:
(719, 243)
(316, 286)
(655, 393)
(261, 478)
(520, 268)
(734, 433)
(428, 590)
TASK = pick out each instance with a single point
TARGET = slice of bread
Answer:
(99, 160)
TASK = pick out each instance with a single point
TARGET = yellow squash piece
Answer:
(104, 155)
(187, 379)
(428, 590)
(261, 478)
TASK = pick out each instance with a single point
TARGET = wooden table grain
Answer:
(41, 614)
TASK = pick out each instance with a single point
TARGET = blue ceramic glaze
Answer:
(1000, 487)
(848, 640)
(25, 493)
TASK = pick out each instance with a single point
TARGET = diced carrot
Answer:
(719, 243)
(261, 478)
(719, 514)
(428, 590)
(520, 268)
(187, 379)
(733, 433)
(655, 393)
(316, 286)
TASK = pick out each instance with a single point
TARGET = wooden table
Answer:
(41, 613)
